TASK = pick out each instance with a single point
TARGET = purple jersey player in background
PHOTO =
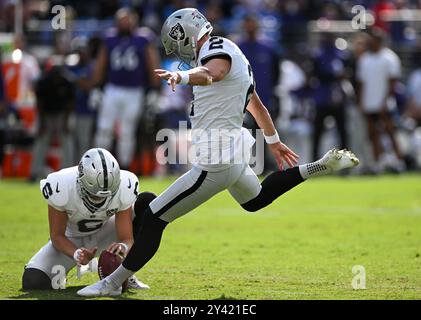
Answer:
(125, 65)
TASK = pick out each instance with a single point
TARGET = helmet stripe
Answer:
(104, 167)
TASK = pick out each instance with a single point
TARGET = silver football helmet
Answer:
(98, 178)
(181, 31)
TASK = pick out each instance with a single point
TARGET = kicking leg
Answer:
(273, 187)
(280, 182)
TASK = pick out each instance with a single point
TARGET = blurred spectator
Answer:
(108, 8)
(23, 72)
(125, 63)
(359, 47)
(358, 139)
(380, 8)
(265, 65)
(271, 28)
(170, 6)
(413, 110)
(399, 28)
(293, 17)
(173, 109)
(329, 97)
(377, 73)
(55, 94)
(213, 12)
(2, 115)
(331, 11)
(412, 115)
(264, 62)
(293, 123)
(85, 113)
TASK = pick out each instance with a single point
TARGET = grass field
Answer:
(301, 247)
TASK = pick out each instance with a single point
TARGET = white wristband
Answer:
(126, 247)
(76, 254)
(272, 139)
(185, 77)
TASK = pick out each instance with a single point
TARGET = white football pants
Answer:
(197, 186)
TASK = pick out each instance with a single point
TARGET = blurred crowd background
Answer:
(329, 73)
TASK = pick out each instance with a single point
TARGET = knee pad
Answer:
(35, 279)
(141, 206)
(142, 202)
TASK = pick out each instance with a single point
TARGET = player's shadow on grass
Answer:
(67, 294)
(224, 297)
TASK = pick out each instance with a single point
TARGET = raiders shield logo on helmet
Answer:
(177, 32)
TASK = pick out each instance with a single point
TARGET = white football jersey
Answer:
(218, 109)
(60, 189)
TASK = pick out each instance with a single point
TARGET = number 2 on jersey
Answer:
(216, 43)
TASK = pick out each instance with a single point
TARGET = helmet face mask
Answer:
(180, 33)
(98, 178)
(187, 61)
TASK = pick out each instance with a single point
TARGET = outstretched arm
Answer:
(280, 151)
(213, 71)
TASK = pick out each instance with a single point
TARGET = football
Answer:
(107, 263)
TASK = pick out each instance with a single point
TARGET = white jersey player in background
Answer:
(223, 88)
(90, 209)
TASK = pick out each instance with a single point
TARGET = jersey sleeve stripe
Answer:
(219, 55)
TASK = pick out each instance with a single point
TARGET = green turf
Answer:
(301, 247)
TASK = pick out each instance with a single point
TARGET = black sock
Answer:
(146, 243)
(274, 186)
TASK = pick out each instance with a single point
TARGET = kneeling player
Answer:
(90, 209)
